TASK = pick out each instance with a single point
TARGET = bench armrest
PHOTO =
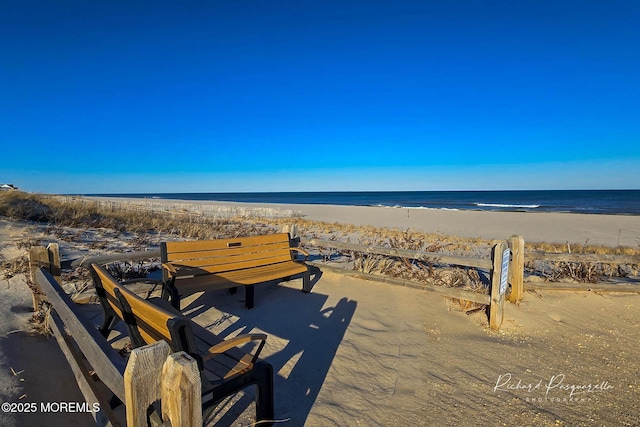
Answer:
(302, 251)
(176, 270)
(170, 268)
(234, 342)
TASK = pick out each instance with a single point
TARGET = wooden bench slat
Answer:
(230, 261)
(203, 245)
(222, 367)
(178, 256)
(223, 264)
(238, 278)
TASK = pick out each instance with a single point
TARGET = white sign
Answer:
(504, 274)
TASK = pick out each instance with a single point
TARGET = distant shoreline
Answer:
(601, 202)
(608, 230)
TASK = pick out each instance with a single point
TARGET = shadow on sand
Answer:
(311, 330)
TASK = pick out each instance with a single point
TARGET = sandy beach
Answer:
(356, 352)
(609, 230)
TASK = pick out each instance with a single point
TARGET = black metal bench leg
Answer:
(306, 282)
(108, 324)
(263, 378)
(170, 293)
(248, 296)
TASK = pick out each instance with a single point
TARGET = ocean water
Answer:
(616, 202)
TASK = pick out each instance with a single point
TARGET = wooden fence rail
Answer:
(498, 267)
(401, 253)
(121, 257)
(583, 258)
(440, 290)
(495, 302)
(151, 374)
(517, 258)
(84, 342)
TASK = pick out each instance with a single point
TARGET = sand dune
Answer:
(354, 352)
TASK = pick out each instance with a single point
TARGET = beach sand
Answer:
(355, 352)
(33, 369)
(609, 230)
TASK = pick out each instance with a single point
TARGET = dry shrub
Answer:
(17, 205)
(40, 319)
(427, 270)
(584, 272)
(27, 243)
(585, 248)
(126, 270)
(579, 272)
(468, 307)
(15, 266)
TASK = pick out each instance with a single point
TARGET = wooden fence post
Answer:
(38, 257)
(292, 229)
(54, 262)
(499, 283)
(48, 258)
(142, 379)
(181, 391)
(516, 269)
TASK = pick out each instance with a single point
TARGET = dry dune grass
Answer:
(585, 248)
(63, 212)
(82, 213)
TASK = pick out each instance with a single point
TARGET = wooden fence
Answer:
(498, 267)
(515, 275)
(633, 260)
(179, 208)
(151, 373)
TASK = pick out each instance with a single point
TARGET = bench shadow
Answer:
(311, 330)
(178, 292)
(238, 294)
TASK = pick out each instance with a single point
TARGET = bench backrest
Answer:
(105, 286)
(151, 322)
(217, 256)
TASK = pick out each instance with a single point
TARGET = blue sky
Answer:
(214, 96)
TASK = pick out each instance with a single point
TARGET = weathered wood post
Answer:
(499, 283)
(48, 258)
(181, 391)
(516, 269)
(292, 229)
(142, 380)
(54, 261)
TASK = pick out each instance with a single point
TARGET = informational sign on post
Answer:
(504, 273)
(499, 283)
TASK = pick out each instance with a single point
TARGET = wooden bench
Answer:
(225, 369)
(190, 267)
